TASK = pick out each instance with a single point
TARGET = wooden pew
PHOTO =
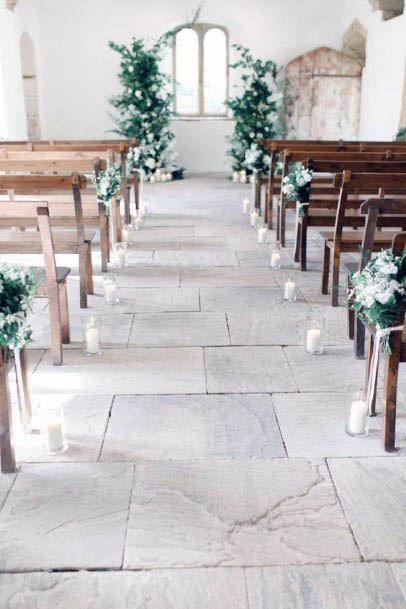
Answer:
(93, 211)
(77, 241)
(51, 279)
(321, 212)
(350, 241)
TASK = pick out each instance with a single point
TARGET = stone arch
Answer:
(323, 95)
(354, 42)
(30, 83)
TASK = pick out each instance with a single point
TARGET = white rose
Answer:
(150, 163)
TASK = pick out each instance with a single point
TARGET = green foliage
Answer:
(144, 107)
(256, 111)
(17, 289)
(108, 185)
(401, 134)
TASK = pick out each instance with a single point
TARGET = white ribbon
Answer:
(380, 334)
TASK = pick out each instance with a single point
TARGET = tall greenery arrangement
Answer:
(144, 108)
(256, 111)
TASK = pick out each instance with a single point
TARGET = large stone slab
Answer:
(159, 589)
(197, 258)
(192, 427)
(373, 493)
(247, 370)
(285, 324)
(114, 330)
(234, 513)
(313, 425)
(223, 277)
(154, 370)
(203, 243)
(335, 370)
(399, 570)
(354, 586)
(66, 516)
(245, 299)
(6, 481)
(85, 423)
(148, 277)
(179, 330)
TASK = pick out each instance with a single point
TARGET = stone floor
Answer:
(208, 467)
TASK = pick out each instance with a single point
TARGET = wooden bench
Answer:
(321, 212)
(76, 241)
(340, 241)
(51, 280)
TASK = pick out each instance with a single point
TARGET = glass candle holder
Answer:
(357, 422)
(246, 206)
(262, 233)
(145, 207)
(137, 222)
(289, 291)
(53, 429)
(110, 289)
(168, 176)
(127, 234)
(275, 260)
(243, 176)
(91, 335)
(254, 217)
(236, 176)
(313, 339)
(121, 255)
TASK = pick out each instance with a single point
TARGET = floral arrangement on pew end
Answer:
(297, 186)
(108, 185)
(256, 110)
(17, 290)
(144, 107)
(377, 292)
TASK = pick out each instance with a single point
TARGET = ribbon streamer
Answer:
(381, 333)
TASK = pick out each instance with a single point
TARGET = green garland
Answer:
(257, 112)
(17, 290)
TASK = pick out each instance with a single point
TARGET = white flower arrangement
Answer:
(378, 292)
(17, 290)
(297, 185)
(108, 184)
(256, 157)
(133, 157)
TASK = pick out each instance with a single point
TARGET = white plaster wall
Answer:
(77, 71)
(13, 124)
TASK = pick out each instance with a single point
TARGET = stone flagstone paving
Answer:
(208, 467)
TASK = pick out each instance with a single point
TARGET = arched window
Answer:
(200, 70)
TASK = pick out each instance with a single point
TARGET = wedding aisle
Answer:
(208, 467)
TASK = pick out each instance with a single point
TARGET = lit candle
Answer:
(122, 257)
(152, 179)
(243, 176)
(262, 233)
(138, 221)
(54, 434)
(290, 290)
(168, 176)
(358, 416)
(163, 177)
(275, 260)
(110, 291)
(246, 206)
(313, 340)
(235, 176)
(252, 179)
(125, 235)
(254, 218)
(92, 340)
(158, 175)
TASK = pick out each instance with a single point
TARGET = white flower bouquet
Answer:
(377, 293)
(256, 158)
(108, 184)
(17, 290)
(297, 185)
(133, 157)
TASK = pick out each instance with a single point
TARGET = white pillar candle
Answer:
(152, 179)
(145, 208)
(110, 291)
(125, 235)
(54, 434)
(313, 340)
(243, 176)
(262, 233)
(92, 340)
(158, 175)
(122, 257)
(358, 416)
(252, 179)
(290, 290)
(275, 260)
(246, 206)
(137, 222)
(235, 176)
(254, 218)
(168, 176)
(163, 177)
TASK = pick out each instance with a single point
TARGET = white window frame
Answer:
(201, 30)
